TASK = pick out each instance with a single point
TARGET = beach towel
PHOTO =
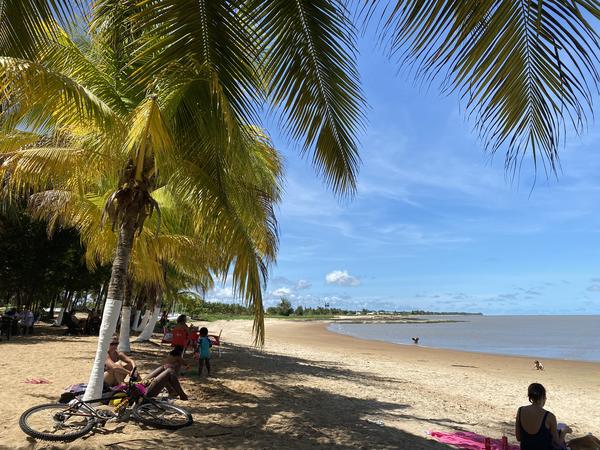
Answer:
(36, 381)
(467, 440)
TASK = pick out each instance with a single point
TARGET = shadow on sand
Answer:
(261, 400)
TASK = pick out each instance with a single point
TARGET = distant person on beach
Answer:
(536, 428)
(164, 319)
(538, 365)
(26, 320)
(117, 364)
(204, 346)
(415, 340)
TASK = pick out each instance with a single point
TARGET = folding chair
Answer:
(215, 340)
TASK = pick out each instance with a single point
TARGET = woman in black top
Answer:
(536, 428)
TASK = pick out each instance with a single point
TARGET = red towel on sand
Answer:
(467, 440)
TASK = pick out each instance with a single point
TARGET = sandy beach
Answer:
(309, 388)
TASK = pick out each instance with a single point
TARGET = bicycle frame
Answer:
(83, 408)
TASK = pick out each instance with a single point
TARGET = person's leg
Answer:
(167, 379)
(120, 373)
(207, 362)
(127, 366)
(109, 378)
(200, 363)
(156, 372)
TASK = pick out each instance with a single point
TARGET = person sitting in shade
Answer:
(535, 427)
(167, 375)
(117, 365)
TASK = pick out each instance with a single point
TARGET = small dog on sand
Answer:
(415, 340)
(538, 365)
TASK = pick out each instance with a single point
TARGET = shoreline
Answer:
(459, 354)
(529, 357)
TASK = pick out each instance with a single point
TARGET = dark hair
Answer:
(182, 318)
(177, 351)
(536, 392)
(203, 331)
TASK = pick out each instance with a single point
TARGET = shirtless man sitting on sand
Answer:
(117, 365)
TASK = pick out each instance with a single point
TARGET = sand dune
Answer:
(309, 388)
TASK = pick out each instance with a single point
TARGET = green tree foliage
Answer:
(284, 308)
(35, 268)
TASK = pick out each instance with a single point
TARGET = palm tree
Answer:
(186, 246)
(85, 118)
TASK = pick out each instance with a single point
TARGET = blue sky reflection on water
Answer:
(436, 223)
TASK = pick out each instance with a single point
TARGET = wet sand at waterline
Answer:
(308, 388)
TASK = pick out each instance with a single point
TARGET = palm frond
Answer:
(14, 140)
(525, 67)
(42, 98)
(309, 64)
(149, 142)
(78, 60)
(206, 35)
(24, 24)
(40, 168)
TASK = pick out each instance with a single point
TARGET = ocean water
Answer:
(560, 337)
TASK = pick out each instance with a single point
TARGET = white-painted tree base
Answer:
(136, 320)
(59, 319)
(107, 330)
(144, 321)
(146, 333)
(124, 345)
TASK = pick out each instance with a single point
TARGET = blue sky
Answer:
(436, 223)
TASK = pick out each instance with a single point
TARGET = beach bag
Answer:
(72, 391)
(77, 390)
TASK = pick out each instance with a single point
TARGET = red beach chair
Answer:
(215, 340)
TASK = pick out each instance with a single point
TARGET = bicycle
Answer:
(67, 422)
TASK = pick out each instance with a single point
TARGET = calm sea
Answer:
(561, 337)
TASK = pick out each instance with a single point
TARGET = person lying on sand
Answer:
(117, 365)
(536, 428)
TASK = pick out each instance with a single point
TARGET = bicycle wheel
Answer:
(162, 415)
(55, 422)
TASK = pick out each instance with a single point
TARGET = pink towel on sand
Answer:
(467, 440)
(36, 381)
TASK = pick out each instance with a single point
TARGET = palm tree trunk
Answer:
(146, 333)
(136, 319)
(145, 319)
(65, 306)
(113, 305)
(124, 345)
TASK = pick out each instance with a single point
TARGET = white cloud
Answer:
(282, 292)
(221, 294)
(303, 284)
(342, 278)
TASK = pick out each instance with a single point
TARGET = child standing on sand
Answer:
(204, 346)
